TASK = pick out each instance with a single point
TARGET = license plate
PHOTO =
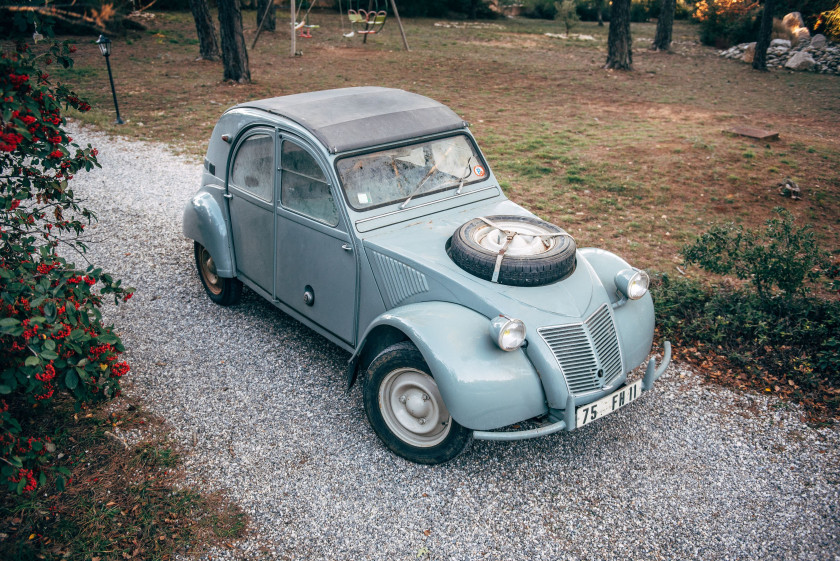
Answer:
(606, 405)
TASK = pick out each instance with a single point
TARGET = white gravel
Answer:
(691, 471)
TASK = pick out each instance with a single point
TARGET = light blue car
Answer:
(371, 216)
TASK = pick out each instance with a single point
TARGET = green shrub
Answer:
(724, 23)
(51, 328)
(566, 14)
(539, 9)
(644, 10)
(828, 23)
(770, 327)
(781, 256)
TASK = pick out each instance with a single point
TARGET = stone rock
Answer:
(818, 41)
(780, 43)
(802, 34)
(793, 21)
(749, 53)
(789, 188)
(801, 61)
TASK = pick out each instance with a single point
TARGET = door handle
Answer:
(227, 196)
(347, 247)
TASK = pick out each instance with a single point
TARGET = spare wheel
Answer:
(517, 250)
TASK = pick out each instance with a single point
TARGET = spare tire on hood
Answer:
(533, 252)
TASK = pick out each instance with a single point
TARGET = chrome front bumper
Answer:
(652, 373)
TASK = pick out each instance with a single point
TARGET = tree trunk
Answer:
(760, 59)
(208, 45)
(619, 43)
(234, 55)
(664, 26)
(270, 21)
(599, 6)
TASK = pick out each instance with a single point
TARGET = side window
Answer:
(304, 187)
(253, 166)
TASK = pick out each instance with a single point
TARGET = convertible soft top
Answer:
(353, 118)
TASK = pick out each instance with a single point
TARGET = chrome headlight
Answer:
(632, 283)
(507, 332)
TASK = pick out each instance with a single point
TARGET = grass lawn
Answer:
(635, 162)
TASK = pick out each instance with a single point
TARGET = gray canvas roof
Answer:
(351, 118)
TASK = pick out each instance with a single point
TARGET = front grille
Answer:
(584, 349)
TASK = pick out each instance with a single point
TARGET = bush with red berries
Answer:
(52, 336)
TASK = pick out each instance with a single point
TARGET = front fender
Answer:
(634, 319)
(483, 387)
(204, 222)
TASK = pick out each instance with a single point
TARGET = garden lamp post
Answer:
(105, 48)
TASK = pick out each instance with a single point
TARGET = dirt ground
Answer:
(636, 162)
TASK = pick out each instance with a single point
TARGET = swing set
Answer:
(370, 21)
(303, 26)
(362, 22)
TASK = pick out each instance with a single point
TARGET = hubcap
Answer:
(413, 409)
(527, 240)
(208, 272)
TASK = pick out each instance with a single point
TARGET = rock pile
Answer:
(815, 54)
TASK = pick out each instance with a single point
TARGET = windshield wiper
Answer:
(464, 176)
(419, 186)
(426, 177)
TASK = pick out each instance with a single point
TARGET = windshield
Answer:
(401, 174)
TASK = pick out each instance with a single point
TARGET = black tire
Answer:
(547, 267)
(399, 392)
(221, 290)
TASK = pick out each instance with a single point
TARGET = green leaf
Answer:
(8, 322)
(49, 355)
(108, 338)
(32, 361)
(50, 311)
(71, 380)
(49, 344)
(4, 389)
(82, 374)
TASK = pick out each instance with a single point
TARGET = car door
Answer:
(251, 201)
(315, 268)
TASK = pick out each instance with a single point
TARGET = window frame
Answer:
(408, 142)
(243, 140)
(298, 142)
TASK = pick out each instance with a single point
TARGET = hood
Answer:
(411, 264)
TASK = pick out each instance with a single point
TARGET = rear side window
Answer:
(253, 167)
(304, 188)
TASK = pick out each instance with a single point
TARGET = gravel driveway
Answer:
(691, 471)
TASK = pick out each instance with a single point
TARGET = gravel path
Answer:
(691, 471)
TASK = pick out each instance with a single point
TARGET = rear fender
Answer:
(483, 387)
(206, 222)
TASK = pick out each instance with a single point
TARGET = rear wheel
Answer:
(406, 410)
(221, 290)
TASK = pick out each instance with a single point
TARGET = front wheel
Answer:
(406, 410)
